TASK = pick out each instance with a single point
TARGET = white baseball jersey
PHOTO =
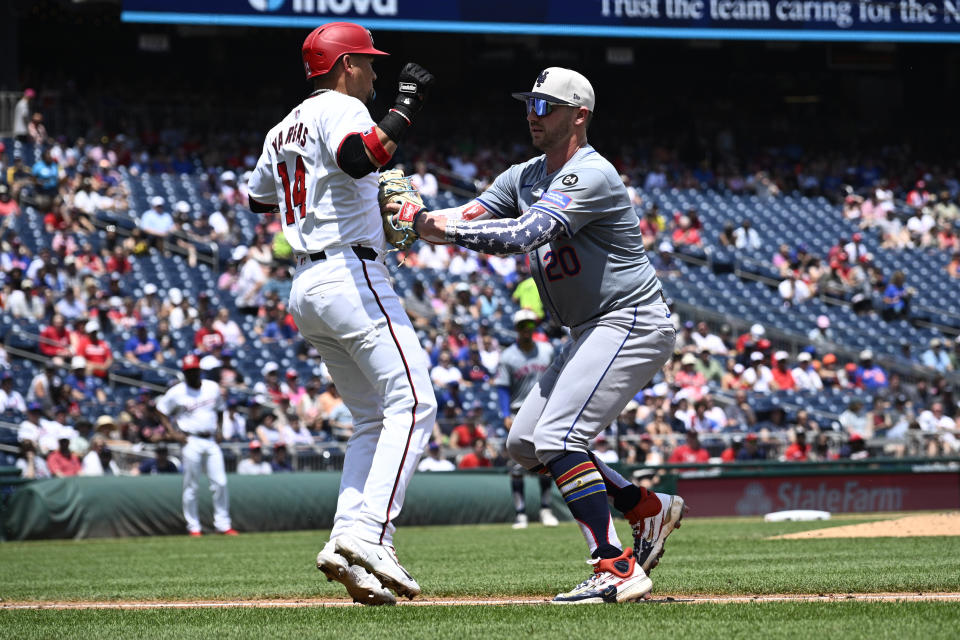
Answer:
(320, 205)
(194, 411)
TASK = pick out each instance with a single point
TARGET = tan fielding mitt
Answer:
(398, 226)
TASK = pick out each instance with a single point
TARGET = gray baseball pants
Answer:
(611, 358)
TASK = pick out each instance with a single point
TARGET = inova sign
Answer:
(335, 7)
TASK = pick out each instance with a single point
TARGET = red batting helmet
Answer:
(190, 361)
(325, 44)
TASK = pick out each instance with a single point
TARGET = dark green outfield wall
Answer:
(125, 506)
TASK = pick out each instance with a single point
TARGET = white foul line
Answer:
(279, 604)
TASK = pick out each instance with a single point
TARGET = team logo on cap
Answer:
(542, 78)
(569, 179)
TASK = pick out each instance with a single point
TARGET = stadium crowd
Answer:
(708, 402)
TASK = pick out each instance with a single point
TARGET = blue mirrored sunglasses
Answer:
(539, 106)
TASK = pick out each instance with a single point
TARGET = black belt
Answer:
(364, 253)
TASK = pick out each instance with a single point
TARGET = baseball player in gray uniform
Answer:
(571, 209)
(521, 365)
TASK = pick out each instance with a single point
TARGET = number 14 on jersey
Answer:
(296, 197)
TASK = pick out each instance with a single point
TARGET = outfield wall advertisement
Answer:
(838, 20)
(840, 493)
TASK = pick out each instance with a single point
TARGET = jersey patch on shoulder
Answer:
(557, 199)
(569, 180)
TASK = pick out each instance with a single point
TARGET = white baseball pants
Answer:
(347, 309)
(588, 385)
(203, 456)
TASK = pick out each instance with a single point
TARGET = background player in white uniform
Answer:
(319, 169)
(594, 277)
(521, 365)
(194, 407)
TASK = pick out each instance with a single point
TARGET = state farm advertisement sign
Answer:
(842, 493)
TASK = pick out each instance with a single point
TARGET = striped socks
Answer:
(585, 493)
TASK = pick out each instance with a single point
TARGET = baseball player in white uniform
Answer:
(571, 209)
(319, 170)
(191, 410)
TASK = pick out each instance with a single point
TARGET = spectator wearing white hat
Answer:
(228, 187)
(189, 234)
(805, 376)
(156, 222)
(149, 306)
(181, 313)
(751, 337)
(793, 291)
(757, 376)
(97, 352)
(782, 375)
(936, 357)
(81, 384)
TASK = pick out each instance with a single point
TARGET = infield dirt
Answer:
(936, 524)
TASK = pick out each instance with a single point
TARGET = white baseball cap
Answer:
(175, 295)
(157, 201)
(524, 315)
(757, 330)
(781, 355)
(561, 86)
(270, 367)
(149, 289)
(91, 326)
(804, 356)
(78, 362)
(228, 175)
(182, 206)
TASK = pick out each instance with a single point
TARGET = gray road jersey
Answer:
(598, 264)
(520, 371)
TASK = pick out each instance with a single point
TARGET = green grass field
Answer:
(706, 556)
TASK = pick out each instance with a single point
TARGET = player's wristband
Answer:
(372, 142)
(395, 125)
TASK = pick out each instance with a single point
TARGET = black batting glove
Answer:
(414, 85)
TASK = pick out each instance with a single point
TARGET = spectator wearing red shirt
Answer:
(782, 374)
(689, 379)
(690, 452)
(118, 262)
(208, 338)
(466, 434)
(730, 453)
(477, 458)
(96, 351)
(799, 450)
(8, 206)
(55, 338)
(64, 463)
(686, 234)
(752, 337)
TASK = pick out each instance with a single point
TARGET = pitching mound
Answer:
(938, 524)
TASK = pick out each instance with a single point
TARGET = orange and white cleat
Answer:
(614, 580)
